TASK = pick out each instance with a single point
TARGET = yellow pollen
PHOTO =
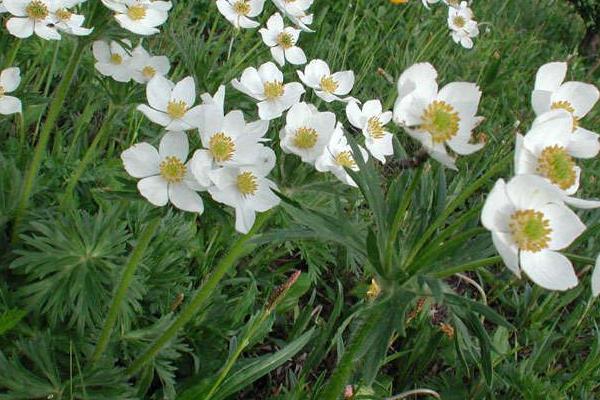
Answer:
(63, 14)
(305, 138)
(176, 109)
(459, 21)
(441, 121)
(374, 290)
(2, 91)
(149, 71)
(273, 90)
(530, 230)
(136, 12)
(116, 59)
(221, 147)
(172, 169)
(345, 159)
(558, 166)
(246, 183)
(565, 105)
(375, 128)
(241, 7)
(285, 40)
(36, 10)
(328, 84)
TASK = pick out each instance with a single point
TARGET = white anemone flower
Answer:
(326, 85)
(144, 66)
(578, 98)
(112, 60)
(172, 105)
(32, 16)
(165, 175)
(69, 22)
(371, 120)
(307, 132)
(438, 118)
(462, 25)
(10, 79)
(241, 12)
(218, 99)
(549, 150)
(246, 189)
(2, 8)
(338, 156)
(266, 85)
(282, 41)
(140, 16)
(297, 12)
(596, 278)
(529, 224)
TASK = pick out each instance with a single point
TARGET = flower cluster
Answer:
(529, 216)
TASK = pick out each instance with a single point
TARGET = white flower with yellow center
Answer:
(596, 278)
(172, 105)
(140, 16)
(282, 41)
(144, 66)
(549, 150)
(326, 85)
(296, 11)
(307, 132)
(338, 156)
(165, 175)
(462, 26)
(10, 79)
(32, 16)
(578, 98)
(69, 22)
(438, 118)
(241, 12)
(112, 60)
(529, 223)
(246, 189)
(266, 85)
(371, 120)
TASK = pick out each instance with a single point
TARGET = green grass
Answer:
(414, 230)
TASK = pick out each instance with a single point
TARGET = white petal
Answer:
(345, 81)
(497, 208)
(185, 198)
(158, 117)
(355, 115)
(596, 278)
(155, 190)
(295, 55)
(10, 79)
(508, 251)
(158, 92)
(584, 144)
(10, 105)
(532, 192)
(244, 219)
(541, 100)
(582, 96)
(141, 160)
(549, 269)
(550, 76)
(278, 55)
(185, 90)
(565, 224)
(20, 27)
(174, 144)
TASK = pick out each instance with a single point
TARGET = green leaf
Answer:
(9, 319)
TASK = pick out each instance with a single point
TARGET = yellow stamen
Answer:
(242, 7)
(176, 109)
(221, 147)
(116, 59)
(441, 121)
(149, 72)
(375, 128)
(530, 230)
(172, 169)
(2, 91)
(63, 14)
(36, 10)
(273, 90)
(285, 40)
(459, 21)
(247, 183)
(305, 138)
(556, 164)
(565, 105)
(345, 159)
(136, 12)
(328, 84)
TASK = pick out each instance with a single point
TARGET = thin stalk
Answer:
(88, 157)
(124, 284)
(472, 266)
(239, 248)
(38, 155)
(13, 53)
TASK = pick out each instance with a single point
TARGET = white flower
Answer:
(112, 60)
(10, 79)
(296, 10)
(578, 98)
(549, 150)
(240, 12)
(246, 189)
(218, 99)
(326, 85)
(69, 22)
(2, 8)
(438, 118)
(145, 66)
(596, 278)
(32, 16)
(463, 27)
(307, 132)
(171, 105)
(338, 155)
(165, 176)
(266, 85)
(371, 120)
(282, 41)
(529, 223)
(140, 16)
(426, 3)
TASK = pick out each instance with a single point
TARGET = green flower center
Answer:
(247, 183)
(557, 165)
(221, 147)
(36, 10)
(116, 59)
(172, 169)
(441, 121)
(328, 84)
(176, 109)
(530, 230)
(305, 138)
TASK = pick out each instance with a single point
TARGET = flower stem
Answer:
(38, 155)
(121, 291)
(239, 248)
(471, 266)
